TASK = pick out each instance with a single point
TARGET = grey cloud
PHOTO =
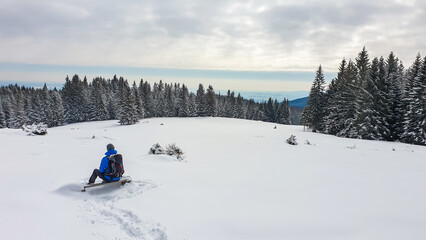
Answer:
(325, 28)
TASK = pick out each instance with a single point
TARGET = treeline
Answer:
(107, 99)
(378, 100)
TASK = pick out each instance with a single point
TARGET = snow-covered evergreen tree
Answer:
(147, 100)
(415, 99)
(394, 93)
(365, 92)
(240, 108)
(46, 106)
(169, 107)
(97, 107)
(58, 117)
(211, 102)
(75, 100)
(315, 110)
(138, 101)
(20, 118)
(128, 114)
(200, 101)
(2, 116)
(192, 105)
(183, 103)
(284, 113)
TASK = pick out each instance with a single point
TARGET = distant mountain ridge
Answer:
(299, 103)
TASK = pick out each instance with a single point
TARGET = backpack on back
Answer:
(115, 166)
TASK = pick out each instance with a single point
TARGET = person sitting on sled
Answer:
(104, 172)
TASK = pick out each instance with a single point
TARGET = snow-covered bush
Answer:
(156, 149)
(35, 129)
(292, 140)
(351, 147)
(174, 150)
(171, 150)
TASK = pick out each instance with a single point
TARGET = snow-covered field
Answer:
(239, 180)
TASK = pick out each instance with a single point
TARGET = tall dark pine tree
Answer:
(239, 107)
(348, 104)
(128, 114)
(421, 139)
(58, 117)
(19, 118)
(334, 121)
(271, 113)
(315, 110)
(183, 103)
(2, 116)
(394, 93)
(230, 105)
(97, 107)
(369, 124)
(415, 128)
(75, 100)
(169, 107)
(211, 102)
(412, 101)
(365, 90)
(138, 101)
(192, 105)
(147, 100)
(35, 113)
(284, 113)
(46, 107)
(200, 101)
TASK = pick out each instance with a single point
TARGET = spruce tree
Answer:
(211, 102)
(334, 121)
(46, 106)
(192, 105)
(75, 100)
(184, 103)
(97, 107)
(316, 108)
(239, 107)
(284, 113)
(415, 131)
(19, 119)
(200, 101)
(394, 94)
(128, 114)
(138, 101)
(365, 90)
(147, 100)
(57, 109)
(2, 116)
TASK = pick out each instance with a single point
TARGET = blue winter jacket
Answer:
(104, 164)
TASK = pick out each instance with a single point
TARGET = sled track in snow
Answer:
(101, 210)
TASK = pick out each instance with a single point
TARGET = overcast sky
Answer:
(264, 35)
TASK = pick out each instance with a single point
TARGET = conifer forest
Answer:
(107, 99)
(371, 99)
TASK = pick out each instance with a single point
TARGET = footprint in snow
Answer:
(100, 210)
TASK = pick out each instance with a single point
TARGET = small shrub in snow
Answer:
(156, 149)
(174, 150)
(35, 129)
(351, 147)
(171, 150)
(292, 140)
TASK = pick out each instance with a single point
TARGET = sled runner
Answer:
(122, 181)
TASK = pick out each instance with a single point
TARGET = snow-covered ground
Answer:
(240, 180)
